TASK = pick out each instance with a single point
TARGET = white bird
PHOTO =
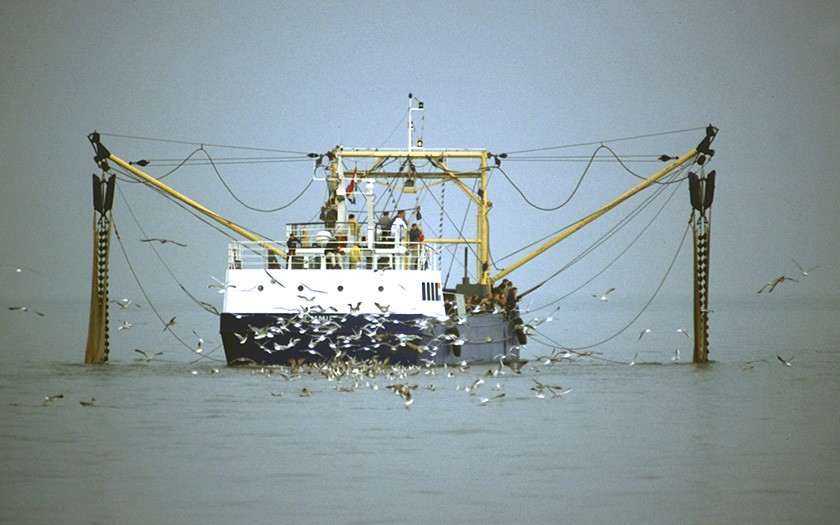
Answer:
(222, 286)
(169, 324)
(676, 355)
(603, 297)
(125, 303)
(25, 309)
(783, 360)
(273, 280)
(684, 332)
(644, 332)
(147, 356)
(164, 241)
(776, 282)
(125, 325)
(49, 399)
(198, 348)
(804, 272)
(383, 308)
(633, 361)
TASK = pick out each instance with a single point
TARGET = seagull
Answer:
(221, 285)
(25, 309)
(312, 289)
(383, 308)
(676, 355)
(645, 331)
(20, 269)
(684, 332)
(49, 399)
(125, 302)
(604, 296)
(804, 272)
(90, 403)
(355, 309)
(147, 356)
(305, 392)
(783, 360)
(485, 400)
(776, 282)
(164, 241)
(273, 280)
(198, 349)
(169, 324)
(125, 325)
(633, 361)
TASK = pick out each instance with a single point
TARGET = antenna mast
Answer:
(411, 122)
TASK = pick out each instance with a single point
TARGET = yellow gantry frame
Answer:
(586, 220)
(186, 200)
(438, 158)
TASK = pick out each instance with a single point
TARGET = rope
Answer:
(642, 311)
(149, 300)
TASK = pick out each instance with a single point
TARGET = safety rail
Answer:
(405, 256)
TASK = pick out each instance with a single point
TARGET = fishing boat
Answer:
(368, 288)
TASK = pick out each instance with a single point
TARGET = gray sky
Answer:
(508, 76)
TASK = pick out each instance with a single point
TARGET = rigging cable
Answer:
(151, 304)
(272, 210)
(612, 231)
(557, 345)
(206, 306)
(621, 139)
(202, 144)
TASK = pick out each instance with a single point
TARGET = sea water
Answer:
(184, 439)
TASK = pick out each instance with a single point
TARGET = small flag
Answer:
(351, 187)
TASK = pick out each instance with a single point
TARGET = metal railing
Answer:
(335, 255)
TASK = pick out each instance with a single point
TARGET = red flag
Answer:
(351, 187)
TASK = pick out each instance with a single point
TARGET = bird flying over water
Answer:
(147, 356)
(169, 324)
(644, 332)
(603, 297)
(25, 309)
(164, 241)
(786, 362)
(802, 270)
(125, 303)
(776, 282)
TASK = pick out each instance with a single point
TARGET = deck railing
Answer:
(318, 255)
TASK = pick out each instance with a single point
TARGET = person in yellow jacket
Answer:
(355, 256)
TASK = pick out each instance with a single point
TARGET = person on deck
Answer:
(292, 245)
(398, 228)
(414, 239)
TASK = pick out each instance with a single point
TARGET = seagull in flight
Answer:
(804, 272)
(164, 241)
(125, 303)
(20, 269)
(169, 324)
(784, 361)
(25, 309)
(776, 282)
(147, 356)
(684, 332)
(644, 332)
(603, 297)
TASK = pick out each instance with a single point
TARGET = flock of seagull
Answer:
(349, 374)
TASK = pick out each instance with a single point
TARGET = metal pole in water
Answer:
(96, 351)
(701, 189)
